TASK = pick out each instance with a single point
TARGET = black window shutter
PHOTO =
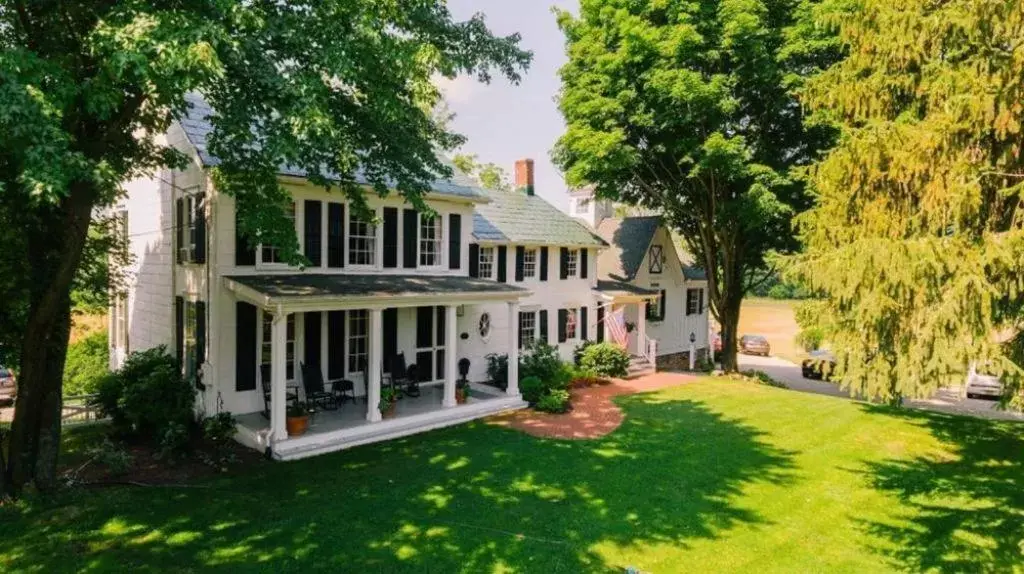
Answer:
(583, 264)
(313, 224)
(563, 318)
(502, 263)
(542, 320)
(661, 305)
(179, 228)
(311, 330)
(336, 345)
(410, 230)
(245, 254)
(520, 255)
(519, 329)
(390, 237)
(543, 263)
(200, 333)
(245, 346)
(439, 340)
(700, 301)
(179, 329)
(335, 235)
(200, 217)
(583, 324)
(424, 327)
(564, 263)
(454, 241)
(600, 324)
(690, 296)
(389, 324)
(474, 260)
(439, 365)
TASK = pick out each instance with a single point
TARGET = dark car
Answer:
(8, 387)
(820, 365)
(754, 345)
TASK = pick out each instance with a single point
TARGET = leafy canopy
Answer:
(916, 240)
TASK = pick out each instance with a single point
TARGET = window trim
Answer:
(262, 248)
(572, 318)
(493, 263)
(187, 253)
(439, 244)
(572, 264)
(534, 328)
(696, 301)
(527, 251)
(352, 318)
(266, 339)
(374, 238)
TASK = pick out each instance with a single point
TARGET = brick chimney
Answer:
(524, 176)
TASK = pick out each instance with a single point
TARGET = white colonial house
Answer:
(403, 296)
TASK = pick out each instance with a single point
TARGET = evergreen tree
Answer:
(688, 108)
(916, 241)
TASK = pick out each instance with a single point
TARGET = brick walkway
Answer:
(594, 414)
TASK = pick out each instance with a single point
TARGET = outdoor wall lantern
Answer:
(693, 337)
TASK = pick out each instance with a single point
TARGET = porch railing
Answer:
(648, 348)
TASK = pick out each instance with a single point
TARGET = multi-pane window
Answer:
(583, 205)
(120, 322)
(694, 301)
(486, 262)
(430, 241)
(655, 310)
(358, 324)
(362, 241)
(530, 263)
(266, 347)
(571, 316)
(572, 263)
(191, 211)
(271, 253)
(527, 328)
(191, 341)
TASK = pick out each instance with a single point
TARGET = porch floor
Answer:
(351, 416)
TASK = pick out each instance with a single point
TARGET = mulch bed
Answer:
(593, 413)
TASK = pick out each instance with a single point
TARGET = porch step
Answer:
(639, 366)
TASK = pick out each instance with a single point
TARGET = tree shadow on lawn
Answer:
(470, 498)
(966, 506)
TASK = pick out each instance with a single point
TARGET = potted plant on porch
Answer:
(297, 418)
(461, 391)
(388, 398)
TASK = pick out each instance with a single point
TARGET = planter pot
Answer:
(461, 398)
(389, 412)
(297, 425)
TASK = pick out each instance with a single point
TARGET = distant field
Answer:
(83, 325)
(776, 320)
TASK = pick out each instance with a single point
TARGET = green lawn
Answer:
(715, 476)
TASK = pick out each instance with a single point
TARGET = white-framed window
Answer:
(527, 328)
(358, 326)
(694, 301)
(431, 237)
(530, 264)
(120, 322)
(583, 205)
(266, 346)
(571, 319)
(271, 253)
(362, 241)
(487, 262)
(572, 263)
(191, 340)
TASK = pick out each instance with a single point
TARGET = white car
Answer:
(980, 384)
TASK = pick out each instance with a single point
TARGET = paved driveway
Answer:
(946, 400)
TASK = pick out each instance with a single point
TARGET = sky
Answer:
(504, 122)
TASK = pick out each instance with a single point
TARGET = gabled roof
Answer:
(197, 127)
(515, 217)
(629, 238)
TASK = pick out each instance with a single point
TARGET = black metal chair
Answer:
(412, 376)
(316, 394)
(292, 396)
(343, 390)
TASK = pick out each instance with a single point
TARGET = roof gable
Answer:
(630, 239)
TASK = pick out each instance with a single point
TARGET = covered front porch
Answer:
(616, 297)
(365, 330)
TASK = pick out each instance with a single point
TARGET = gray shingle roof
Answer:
(306, 285)
(197, 127)
(515, 217)
(629, 238)
(621, 288)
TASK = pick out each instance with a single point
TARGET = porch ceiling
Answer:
(623, 292)
(341, 291)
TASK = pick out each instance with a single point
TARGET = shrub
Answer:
(149, 398)
(764, 379)
(542, 361)
(810, 338)
(577, 353)
(532, 388)
(605, 359)
(554, 401)
(220, 428)
(87, 363)
(497, 369)
(111, 455)
(704, 365)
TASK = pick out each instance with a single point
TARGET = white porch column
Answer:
(641, 329)
(450, 356)
(375, 334)
(513, 348)
(278, 375)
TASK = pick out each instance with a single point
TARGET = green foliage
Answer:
(532, 388)
(704, 365)
(297, 409)
(489, 175)
(577, 353)
(497, 369)
(149, 398)
(554, 401)
(810, 338)
(219, 428)
(605, 359)
(542, 361)
(87, 363)
(688, 108)
(112, 455)
(915, 241)
(388, 397)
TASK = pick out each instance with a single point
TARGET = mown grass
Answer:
(707, 477)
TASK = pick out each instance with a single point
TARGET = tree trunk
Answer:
(56, 249)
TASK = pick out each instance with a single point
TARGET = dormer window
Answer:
(486, 262)
(656, 259)
(583, 205)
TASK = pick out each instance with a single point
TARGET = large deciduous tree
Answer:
(916, 241)
(688, 108)
(86, 87)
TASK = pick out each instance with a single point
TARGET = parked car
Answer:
(8, 387)
(754, 345)
(982, 384)
(819, 365)
(6, 378)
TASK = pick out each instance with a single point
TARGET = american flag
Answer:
(616, 323)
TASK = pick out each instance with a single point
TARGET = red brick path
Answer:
(593, 414)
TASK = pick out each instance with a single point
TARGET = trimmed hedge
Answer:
(605, 359)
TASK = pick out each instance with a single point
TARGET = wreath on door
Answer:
(484, 327)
